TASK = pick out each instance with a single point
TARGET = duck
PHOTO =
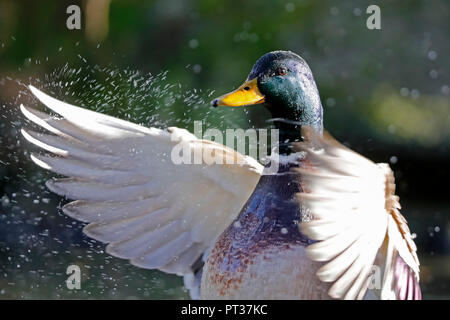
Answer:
(325, 225)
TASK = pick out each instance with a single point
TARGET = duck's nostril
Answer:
(215, 102)
(247, 88)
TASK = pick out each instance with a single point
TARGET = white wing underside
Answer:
(356, 223)
(155, 213)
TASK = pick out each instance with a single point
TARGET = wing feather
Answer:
(150, 210)
(356, 222)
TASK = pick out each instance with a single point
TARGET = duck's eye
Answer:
(281, 71)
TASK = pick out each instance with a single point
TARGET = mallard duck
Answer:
(316, 229)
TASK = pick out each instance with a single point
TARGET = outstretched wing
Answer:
(359, 231)
(128, 187)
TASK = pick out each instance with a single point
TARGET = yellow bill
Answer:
(245, 95)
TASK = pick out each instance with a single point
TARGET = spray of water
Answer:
(37, 242)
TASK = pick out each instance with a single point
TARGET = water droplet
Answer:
(290, 7)
(415, 93)
(404, 91)
(433, 74)
(330, 102)
(197, 68)
(357, 12)
(193, 43)
(334, 11)
(392, 128)
(5, 200)
(432, 55)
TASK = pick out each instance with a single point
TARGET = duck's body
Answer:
(263, 248)
(257, 227)
(262, 271)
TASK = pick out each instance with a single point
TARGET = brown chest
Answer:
(270, 272)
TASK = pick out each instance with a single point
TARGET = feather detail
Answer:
(356, 222)
(150, 210)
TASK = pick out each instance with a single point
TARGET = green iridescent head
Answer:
(283, 82)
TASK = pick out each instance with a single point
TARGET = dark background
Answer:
(385, 93)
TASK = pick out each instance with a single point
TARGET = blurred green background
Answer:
(386, 93)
